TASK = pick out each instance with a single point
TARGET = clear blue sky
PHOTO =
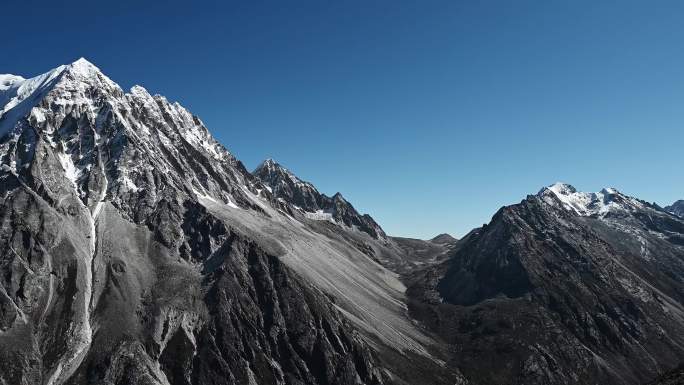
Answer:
(429, 115)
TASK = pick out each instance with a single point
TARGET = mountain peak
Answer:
(82, 62)
(18, 96)
(283, 182)
(443, 238)
(139, 90)
(97, 132)
(561, 188)
(587, 203)
(268, 163)
(270, 170)
(304, 196)
(83, 66)
(676, 208)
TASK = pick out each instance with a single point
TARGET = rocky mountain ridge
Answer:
(136, 249)
(284, 185)
(562, 288)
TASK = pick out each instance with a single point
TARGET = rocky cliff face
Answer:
(676, 208)
(305, 198)
(563, 288)
(135, 249)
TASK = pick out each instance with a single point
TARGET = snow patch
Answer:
(320, 215)
(126, 181)
(207, 198)
(70, 170)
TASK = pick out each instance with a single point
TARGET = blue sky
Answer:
(429, 115)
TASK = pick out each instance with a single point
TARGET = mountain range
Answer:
(136, 249)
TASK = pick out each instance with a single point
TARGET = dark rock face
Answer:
(676, 208)
(543, 295)
(286, 186)
(673, 377)
(299, 339)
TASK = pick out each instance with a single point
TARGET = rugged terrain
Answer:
(135, 249)
(306, 199)
(673, 377)
(562, 288)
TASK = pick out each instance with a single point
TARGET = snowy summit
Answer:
(588, 203)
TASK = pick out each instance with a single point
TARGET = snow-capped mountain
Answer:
(676, 208)
(111, 142)
(314, 205)
(136, 249)
(565, 287)
(602, 203)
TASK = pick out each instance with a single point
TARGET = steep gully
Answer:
(68, 364)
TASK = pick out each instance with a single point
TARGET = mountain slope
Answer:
(563, 288)
(302, 200)
(136, 249)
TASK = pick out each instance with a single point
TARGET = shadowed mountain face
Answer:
(135, 249)
(563, 288)
(676, 208)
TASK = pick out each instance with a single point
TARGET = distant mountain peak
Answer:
(443, 238)
(677, 208)
(271, 170)
(554, 256)
(561, 188)
(588, 203)
(304, 196)
(268, 162)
